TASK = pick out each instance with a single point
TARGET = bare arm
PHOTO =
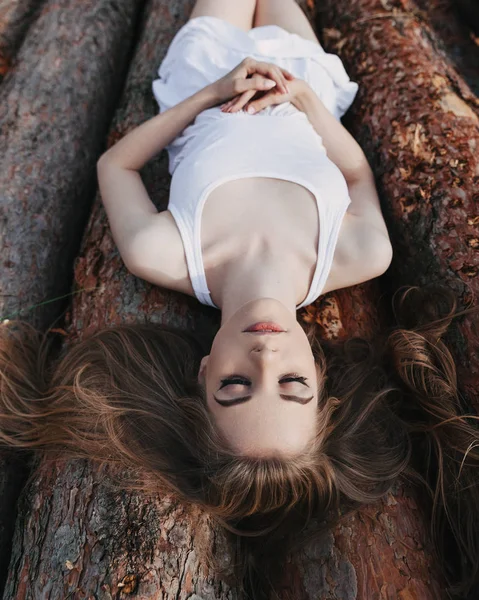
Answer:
(124, 196)
(144, 142)
(341, 147)
(129, 209)
(368, 236)
(348, 156)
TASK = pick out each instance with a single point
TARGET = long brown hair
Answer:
(129, 396)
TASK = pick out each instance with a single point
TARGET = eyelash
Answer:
(236, 379)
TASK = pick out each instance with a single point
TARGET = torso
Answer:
(257, 212)
(242, 215)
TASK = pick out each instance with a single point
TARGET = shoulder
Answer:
(363, 252)
(157, 254)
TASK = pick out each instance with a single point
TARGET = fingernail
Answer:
(269, 84)
(250, 110)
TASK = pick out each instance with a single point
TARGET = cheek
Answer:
(226, 352)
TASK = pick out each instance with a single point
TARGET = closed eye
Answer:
(239, 380)
(289, 378)
(234, 380)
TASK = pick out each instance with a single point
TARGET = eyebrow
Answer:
(297, 399)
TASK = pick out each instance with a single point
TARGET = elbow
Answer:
(132, 263)
(134, 267)
(376, 255)
(133, 255)
(108, 160)
(104, 160)
(358, 170)
(383, 256)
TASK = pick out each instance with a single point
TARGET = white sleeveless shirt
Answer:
(278, 142)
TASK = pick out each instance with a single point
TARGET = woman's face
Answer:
(262, 386)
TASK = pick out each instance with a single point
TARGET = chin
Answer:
(268, 303)
(265, 309)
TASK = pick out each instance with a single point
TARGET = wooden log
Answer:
(418, 123)
(460, 46)
(15, 19)
(55, 106)
(87, 542)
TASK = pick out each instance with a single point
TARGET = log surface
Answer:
(88, 543)
(55, 107)
(417, 121)
(16, 17)
(460, 46)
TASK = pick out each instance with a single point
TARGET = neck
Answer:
(251, 279)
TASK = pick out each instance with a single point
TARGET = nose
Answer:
(263, 353)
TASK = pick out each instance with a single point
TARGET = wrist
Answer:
(208, 96)
(303, 96)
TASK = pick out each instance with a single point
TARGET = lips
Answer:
(265, 327)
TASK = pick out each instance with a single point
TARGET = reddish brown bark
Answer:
(55, 105)
(85, 542)
(418, 123)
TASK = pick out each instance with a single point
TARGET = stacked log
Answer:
(15, 19)
(55, 107)
(460, 45)
(418, 122)
(88, 542)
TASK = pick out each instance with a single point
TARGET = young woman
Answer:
(272, 203)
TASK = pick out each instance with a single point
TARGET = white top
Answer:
(278, 142)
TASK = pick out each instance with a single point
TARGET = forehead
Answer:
(259, 426)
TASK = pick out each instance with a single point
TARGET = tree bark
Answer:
(74, 538)
(15, 19)
(418, 123)
(55, 107)
(455, 35)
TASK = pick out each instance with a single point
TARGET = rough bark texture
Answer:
(55, 106)
(459, 44)
(418, 123)
(75, 539)
(15, 18)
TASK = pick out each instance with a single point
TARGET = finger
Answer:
(283, 86)
(255, 83)
(268, 70)
(267, 100)
(241, 101)
(224, 107)
(288, 75)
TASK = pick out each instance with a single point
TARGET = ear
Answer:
(202, 370)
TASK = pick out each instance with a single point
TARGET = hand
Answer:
(249, 77)
(297, 88)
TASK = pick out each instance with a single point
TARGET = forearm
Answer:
(340, 145)
(144, 142)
